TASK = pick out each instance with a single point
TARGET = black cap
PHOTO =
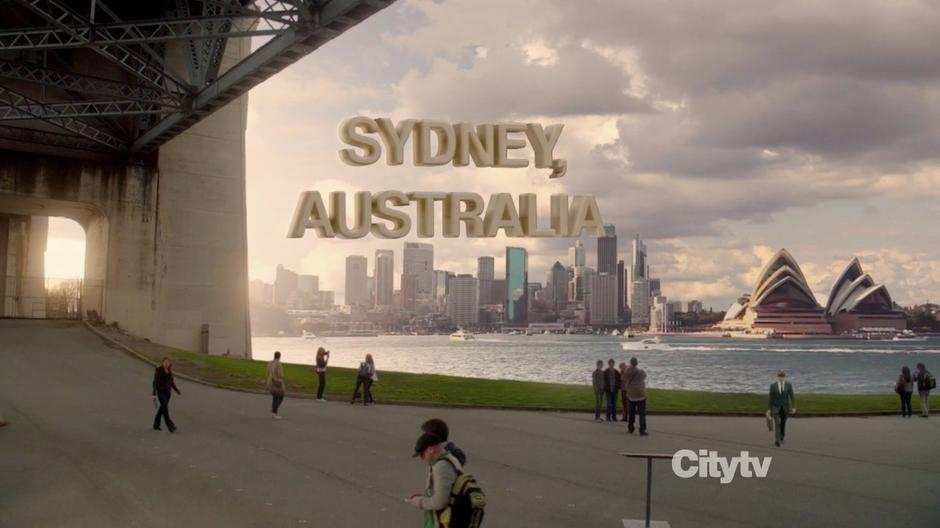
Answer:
(425, 441)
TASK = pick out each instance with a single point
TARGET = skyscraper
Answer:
(441, 285)
(639, 265)
(308, 284)
(485, 274)
(463, 304)
(285, 286)
(603, 299)
(517, 276)
(655, 288)
(418, 260)
(409, 292)
(558, 278)
(384, 277)
(621, 295)
(639, 284)
(607, 251)
(576, 255)
(662, 314)
(357, 293)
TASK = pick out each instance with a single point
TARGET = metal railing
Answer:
(42, 297)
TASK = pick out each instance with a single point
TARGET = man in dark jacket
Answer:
(611, 388)
(634, 386)
(597, 378)
(780, 403)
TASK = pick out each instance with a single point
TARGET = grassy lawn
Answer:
(451, 390)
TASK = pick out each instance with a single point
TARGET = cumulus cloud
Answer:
(720, 130)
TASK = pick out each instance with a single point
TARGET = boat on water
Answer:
(907, 335)
(307, 334)
(461, 335)
(647, 343)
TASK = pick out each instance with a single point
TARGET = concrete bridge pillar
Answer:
(166, 243)
(22, 264)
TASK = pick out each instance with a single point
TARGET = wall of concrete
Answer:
(22, 265)
(115, 204)
(202, 267)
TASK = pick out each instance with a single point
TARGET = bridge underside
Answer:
(129, 117)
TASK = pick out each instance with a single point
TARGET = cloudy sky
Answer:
(720, 131)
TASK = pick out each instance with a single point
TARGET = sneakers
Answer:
(644, 433)
(276, 416)
(321, 400)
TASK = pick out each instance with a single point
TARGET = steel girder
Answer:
(166, 102)
(16, 106)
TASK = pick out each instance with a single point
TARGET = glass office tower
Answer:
(517, 276)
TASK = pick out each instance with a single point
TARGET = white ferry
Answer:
(907, 335)
(461, 335)
(309, 335)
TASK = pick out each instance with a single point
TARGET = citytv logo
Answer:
(707, 464)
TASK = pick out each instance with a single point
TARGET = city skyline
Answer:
(719, 157)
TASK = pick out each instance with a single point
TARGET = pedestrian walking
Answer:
(904, 386)
(441, 478)
(451, 498)
(925, 383)
(366, 375)
(323, 357)
(163, 384)
(597, 378)
(623, 392)
(611, 388)
(780, 403)
(634, 386)
(439, 427)
(275, 384)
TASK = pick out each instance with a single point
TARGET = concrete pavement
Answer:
(80, 452)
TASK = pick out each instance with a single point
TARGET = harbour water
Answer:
(675, 362)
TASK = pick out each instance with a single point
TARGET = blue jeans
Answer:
(612, 406)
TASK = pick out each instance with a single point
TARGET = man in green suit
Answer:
(780, 403)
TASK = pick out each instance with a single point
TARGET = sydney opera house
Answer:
(783, 304)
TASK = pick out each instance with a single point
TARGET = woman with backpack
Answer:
(904, 386)
(365, 376)
(925, 382)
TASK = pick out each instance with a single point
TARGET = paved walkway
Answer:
(80, 452)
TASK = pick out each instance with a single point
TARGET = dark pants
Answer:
(906, 403)
(360, 381)
(276, 402)
(612, 406)
(623, 402)
(636, 407)
(367, 391)
(163, 397)
(321, 377)
(780, 424)
(598, 402)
